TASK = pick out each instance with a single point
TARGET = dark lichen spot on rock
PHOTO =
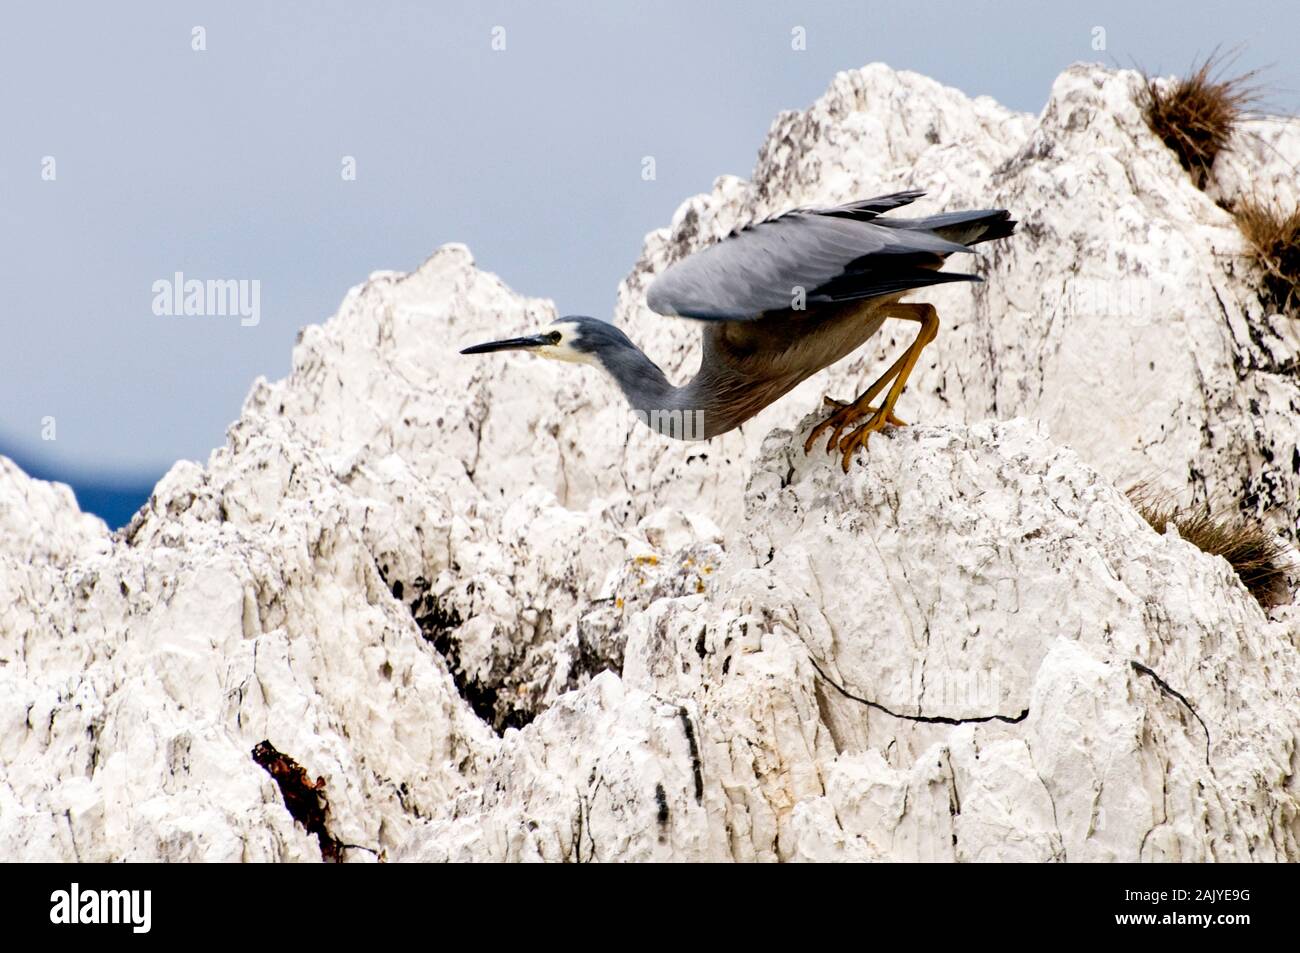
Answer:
(695, 754)
(595, 655)
(438, 623)
(661, 798)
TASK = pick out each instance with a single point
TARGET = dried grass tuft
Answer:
(1273, 240)
(1196, 114)
(1257, 556)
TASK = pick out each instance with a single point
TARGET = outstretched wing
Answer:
(830, 254)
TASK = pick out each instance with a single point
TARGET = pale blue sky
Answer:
(225, 163)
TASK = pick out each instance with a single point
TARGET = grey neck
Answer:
(677, 412)
(709, 404)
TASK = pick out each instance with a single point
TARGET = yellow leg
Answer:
(850, 412)
(878, 417)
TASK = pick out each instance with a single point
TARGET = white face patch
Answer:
(564, 350)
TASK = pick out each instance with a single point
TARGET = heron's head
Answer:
(577, 339)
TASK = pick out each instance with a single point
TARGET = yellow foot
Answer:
(856, 440)
(845, 415)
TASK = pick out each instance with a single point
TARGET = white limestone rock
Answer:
(976, 574)
(40, 523)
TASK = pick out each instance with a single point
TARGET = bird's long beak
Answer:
(511, 344)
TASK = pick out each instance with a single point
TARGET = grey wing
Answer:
(832, 254)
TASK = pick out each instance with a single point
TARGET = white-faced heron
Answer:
(780, 300)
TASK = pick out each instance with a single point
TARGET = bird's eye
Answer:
(554, 337)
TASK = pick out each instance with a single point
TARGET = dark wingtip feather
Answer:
(998, 229)
(867, 209)
(967, 227)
